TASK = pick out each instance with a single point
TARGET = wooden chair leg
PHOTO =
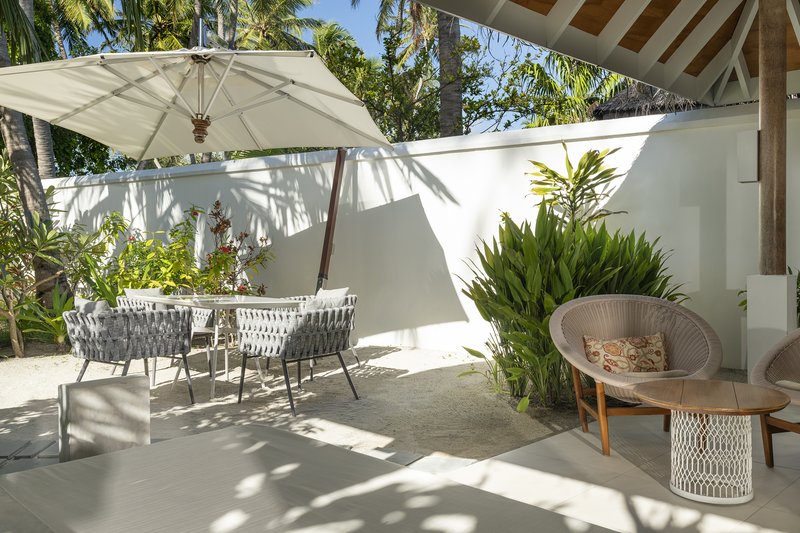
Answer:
(667, 420)
(125, 367)
(576, 383)
(83, 370)
(766, 436)
(602, 417)
(299, 372)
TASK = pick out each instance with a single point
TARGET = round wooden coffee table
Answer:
(712, 449)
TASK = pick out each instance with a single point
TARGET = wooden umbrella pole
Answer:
(772, 135)
(330, 227)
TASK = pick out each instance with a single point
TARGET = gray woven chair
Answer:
(779, 369)
(202, 326)
(692, 346)
(294, 335)
(122, 335)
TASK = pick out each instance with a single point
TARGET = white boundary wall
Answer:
(410, 218)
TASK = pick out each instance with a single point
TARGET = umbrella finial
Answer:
(200, 130)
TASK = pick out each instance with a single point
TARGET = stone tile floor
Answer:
(566, 473)
(629, 491)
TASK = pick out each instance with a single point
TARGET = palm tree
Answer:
(420, 24)
(274, 24)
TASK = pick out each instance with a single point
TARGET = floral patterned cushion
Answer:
(628, 354)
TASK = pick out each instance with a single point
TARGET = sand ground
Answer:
(413, 403)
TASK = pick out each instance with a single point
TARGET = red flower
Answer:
(194, 214)
(241, 288)
(225, 249)
(131, 238)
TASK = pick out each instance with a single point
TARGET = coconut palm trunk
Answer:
(451, 94)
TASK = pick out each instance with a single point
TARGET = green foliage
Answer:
(48, 322)
(526, 272)
(577, 195)
(148, 261)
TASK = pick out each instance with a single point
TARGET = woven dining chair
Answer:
(121, 335)
(202, 326)
(295, 335)
(779, 369)
(693, 348)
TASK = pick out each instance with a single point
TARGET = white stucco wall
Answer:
(410, 218)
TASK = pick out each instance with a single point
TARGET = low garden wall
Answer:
(410, 218)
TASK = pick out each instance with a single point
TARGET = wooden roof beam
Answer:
(559, 18)
(793, 9)
(617, 27)
(737, 41)
(493, 14)
(743, 77)
(666, 33)
(696, 40)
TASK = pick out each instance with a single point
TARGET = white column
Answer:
(771, 313)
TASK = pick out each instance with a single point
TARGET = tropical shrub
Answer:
(526, 272)
(576, 195)
(47, 322)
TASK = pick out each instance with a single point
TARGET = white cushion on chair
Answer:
(325, 299)
(156, 291)
(788, 384)
(90, 306)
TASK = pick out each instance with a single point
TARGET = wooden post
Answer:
(772, 135)
(330, 227)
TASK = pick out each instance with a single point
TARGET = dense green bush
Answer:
(525, 273)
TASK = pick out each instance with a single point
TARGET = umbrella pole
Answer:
(330, 227)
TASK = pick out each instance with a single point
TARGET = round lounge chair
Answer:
(693, 349)
(779, 369)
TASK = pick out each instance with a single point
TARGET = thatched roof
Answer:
(640, 99)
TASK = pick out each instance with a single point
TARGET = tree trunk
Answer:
(194, 38)
(43, 137)
(14, 333)
(231, 32)
(451, 91)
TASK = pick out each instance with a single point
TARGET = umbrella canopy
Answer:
(156, 104)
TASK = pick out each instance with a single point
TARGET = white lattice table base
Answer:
(712, 458)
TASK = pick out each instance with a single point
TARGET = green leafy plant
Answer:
(526, 272)
(48, 322)
(233, 258)
(576, 196)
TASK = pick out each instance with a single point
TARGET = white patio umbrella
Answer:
(155, 104)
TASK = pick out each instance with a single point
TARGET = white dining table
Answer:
(219, 305)
(255, 478)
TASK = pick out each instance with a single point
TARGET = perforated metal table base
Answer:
(712, 458)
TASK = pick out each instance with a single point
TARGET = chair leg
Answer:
(288, 385)
(666, 423)
(146, 369)
(188, 377)
(266, 368)
(358, 361)
(576, 383)
(602, 417)
(311, 366)
(208, 357)
(125, 367)
(241, 379)
(766, 436)
(83, 370)
(347, 374)
(299, 367)
(155, 366)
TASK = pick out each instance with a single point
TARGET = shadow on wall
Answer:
(695, 205)
(388, 256)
